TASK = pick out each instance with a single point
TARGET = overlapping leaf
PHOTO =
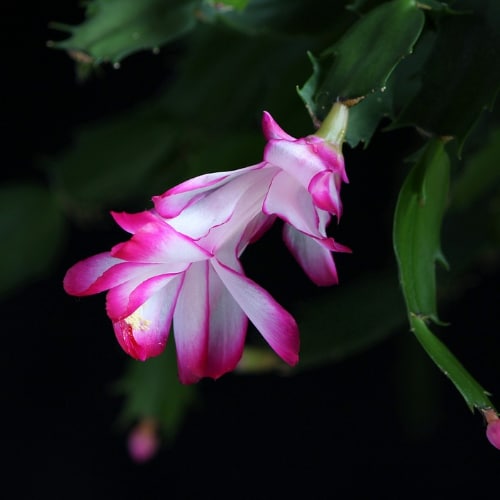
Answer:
(462, 75)
(362, 60)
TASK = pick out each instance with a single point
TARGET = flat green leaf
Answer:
(417, 226)
(363, 59)
(115, 29)
(152, 390)
(462, 75)
(32, 228)
(110, 160)
(472, 392)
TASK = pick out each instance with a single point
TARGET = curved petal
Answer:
(82, 278)
(275, 324)
(291, 202)
(315, 259)
(123, 300)
(159, 243)
(251, 189)
(133, 222)
(325, 191)
(175, 200)
(144, 333)
(216, 208)
(191, 324)
(228, 327)
(296, 158)
(272, 130)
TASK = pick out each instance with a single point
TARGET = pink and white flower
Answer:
(161, 276)
(181, 264)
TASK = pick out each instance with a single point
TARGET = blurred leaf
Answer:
(230, 4)
(364, 58)
(152, 390)
(111, 159)
(349, 319)
(417, 226)
(220, 103)
(115, 29)
(472, 392)
(462, 75)
(481, 174)
(32, 228)
(288, 17)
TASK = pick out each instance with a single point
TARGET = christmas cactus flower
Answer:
(161, 276)
(182, 266)
(299, 181)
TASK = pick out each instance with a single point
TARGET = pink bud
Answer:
(493, 433)
(143, 441)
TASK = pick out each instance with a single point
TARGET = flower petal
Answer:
(295, 158)
(81, 278)
(144, 333)
(315, 259)
(123, 300)
(228, 327)
(158, 242)
(291, 202)
(243, 194)
(133, 222)
(175, 200)
(275, 324)
(325, 190)
(192, 324)
(272, 130)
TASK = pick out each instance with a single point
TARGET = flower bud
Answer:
(143, 442)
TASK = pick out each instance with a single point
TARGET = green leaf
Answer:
(152, 390)
(417, 226)
(363, 59)
(115, 29)
(462, 75)
(32, 229)
(111, 160)
(472, 392)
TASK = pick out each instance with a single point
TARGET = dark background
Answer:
(368, 427)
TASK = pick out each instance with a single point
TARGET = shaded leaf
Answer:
(349, 319)
(286, 18)
(111, 159)
(363, 59)
(481, 174)
(462, 75)
(115, 29)
(32, 229)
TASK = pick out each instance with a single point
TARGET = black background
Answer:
(347, 430)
